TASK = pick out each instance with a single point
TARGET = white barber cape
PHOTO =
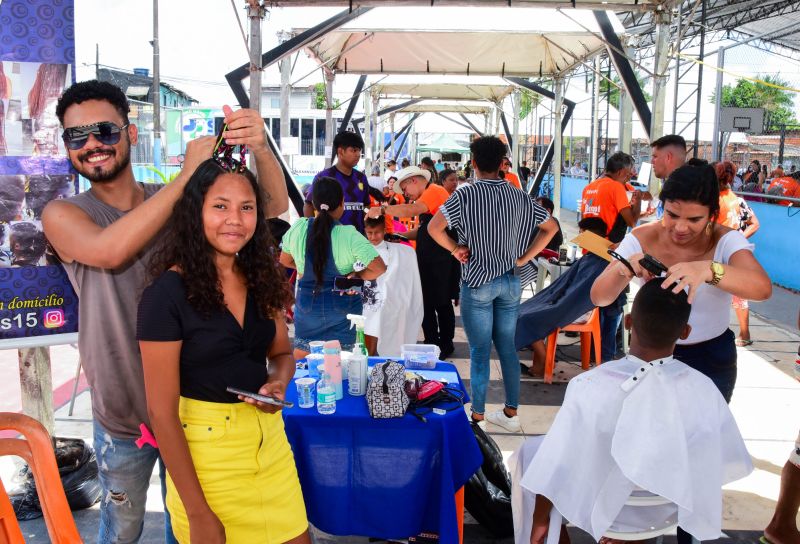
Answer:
(393, 303)
(659, 426)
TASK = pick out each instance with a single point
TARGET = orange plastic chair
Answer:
(590, 332)
(36, 449)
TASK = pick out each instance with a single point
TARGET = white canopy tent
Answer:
(524, 42)
(478, 41)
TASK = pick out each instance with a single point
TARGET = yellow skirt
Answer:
(246, 469)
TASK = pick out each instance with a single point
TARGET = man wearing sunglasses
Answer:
(104, 237)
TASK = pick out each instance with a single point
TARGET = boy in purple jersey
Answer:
(348, 146)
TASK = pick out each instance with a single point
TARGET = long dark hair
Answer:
(693, 184)
(326, 195)
(186, 246)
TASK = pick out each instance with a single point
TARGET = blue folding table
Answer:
(385, 478)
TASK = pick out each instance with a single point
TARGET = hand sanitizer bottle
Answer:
(357, 372)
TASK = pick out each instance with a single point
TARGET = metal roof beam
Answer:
(648, 5)
(624, 70)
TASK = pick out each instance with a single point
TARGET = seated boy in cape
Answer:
(393, 302)
(645, 424)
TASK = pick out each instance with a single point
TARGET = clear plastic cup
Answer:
(313, 361)
(305, 392)
(316, 346)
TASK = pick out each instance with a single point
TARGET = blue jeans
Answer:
(125, 472)
(610, 319)
(489, 313)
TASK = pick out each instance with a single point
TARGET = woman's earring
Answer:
(709, 226)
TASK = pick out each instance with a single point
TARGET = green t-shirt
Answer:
(349, 246)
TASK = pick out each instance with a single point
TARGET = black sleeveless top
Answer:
(216, 351)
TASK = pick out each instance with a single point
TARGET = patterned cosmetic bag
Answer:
(386, 394)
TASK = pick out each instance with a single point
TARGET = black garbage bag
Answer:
(77, 466)
(487, 494)
(489, 505)
(493, 467)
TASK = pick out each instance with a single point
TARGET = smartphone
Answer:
(344, 284)
(263, 398)
(652, 265)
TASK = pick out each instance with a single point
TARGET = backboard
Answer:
(749, 120)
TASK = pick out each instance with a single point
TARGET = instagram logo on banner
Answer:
(53, 319)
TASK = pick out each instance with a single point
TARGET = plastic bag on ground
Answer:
(487, 494)
(77, 466)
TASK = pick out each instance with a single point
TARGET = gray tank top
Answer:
(107, 308)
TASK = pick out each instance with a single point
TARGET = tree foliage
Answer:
(778, 104)
(615, 91)
(320, 99)
(528, 101)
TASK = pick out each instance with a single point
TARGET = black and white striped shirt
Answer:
(496, 221)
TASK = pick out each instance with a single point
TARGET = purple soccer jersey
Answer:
(356, 195)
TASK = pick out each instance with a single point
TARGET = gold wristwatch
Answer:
(717, 271)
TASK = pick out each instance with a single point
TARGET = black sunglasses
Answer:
(106, 132)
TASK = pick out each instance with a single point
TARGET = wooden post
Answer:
(36, 382)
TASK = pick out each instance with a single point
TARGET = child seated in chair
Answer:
(646, 424)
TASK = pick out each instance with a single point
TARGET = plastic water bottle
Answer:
(326, 395)
(357, 372)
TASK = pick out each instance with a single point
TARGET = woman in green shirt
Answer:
(321, 248)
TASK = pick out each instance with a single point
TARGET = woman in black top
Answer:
(213, 319)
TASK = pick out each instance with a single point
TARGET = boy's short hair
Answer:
(659, 315)
(347, 139)
(374, 223)
(594, 225)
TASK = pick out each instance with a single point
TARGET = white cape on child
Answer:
(393, 303)
(660, 426)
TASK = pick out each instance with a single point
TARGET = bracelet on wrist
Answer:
(454, 250)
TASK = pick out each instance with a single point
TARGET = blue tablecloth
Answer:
(386, 478)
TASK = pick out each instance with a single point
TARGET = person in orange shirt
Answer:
(735, 214)
(425, 198)
(607, 198)
(786, 186)
(508, 175)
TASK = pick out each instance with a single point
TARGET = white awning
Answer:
(445, 91)
(525, 42)
(447, 108)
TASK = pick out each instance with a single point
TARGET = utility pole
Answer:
(330, 128)
(286, 81)
(256, 13)
(156, 92)
(97, 61)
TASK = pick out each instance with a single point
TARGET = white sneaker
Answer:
(500, 419)
(481, 423)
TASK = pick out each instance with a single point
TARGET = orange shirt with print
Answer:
(729, 209)
(433, 196)
(786, 186)
(604, 198)
(512, 179)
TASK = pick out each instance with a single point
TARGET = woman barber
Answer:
(714, 262)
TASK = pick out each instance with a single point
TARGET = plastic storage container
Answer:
(420, 355)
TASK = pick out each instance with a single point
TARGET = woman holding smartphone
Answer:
(213, 319)
(322, 249)
(712, 261)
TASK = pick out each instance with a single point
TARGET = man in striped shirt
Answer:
(494, 222)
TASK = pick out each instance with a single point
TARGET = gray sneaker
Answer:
(498, 417)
